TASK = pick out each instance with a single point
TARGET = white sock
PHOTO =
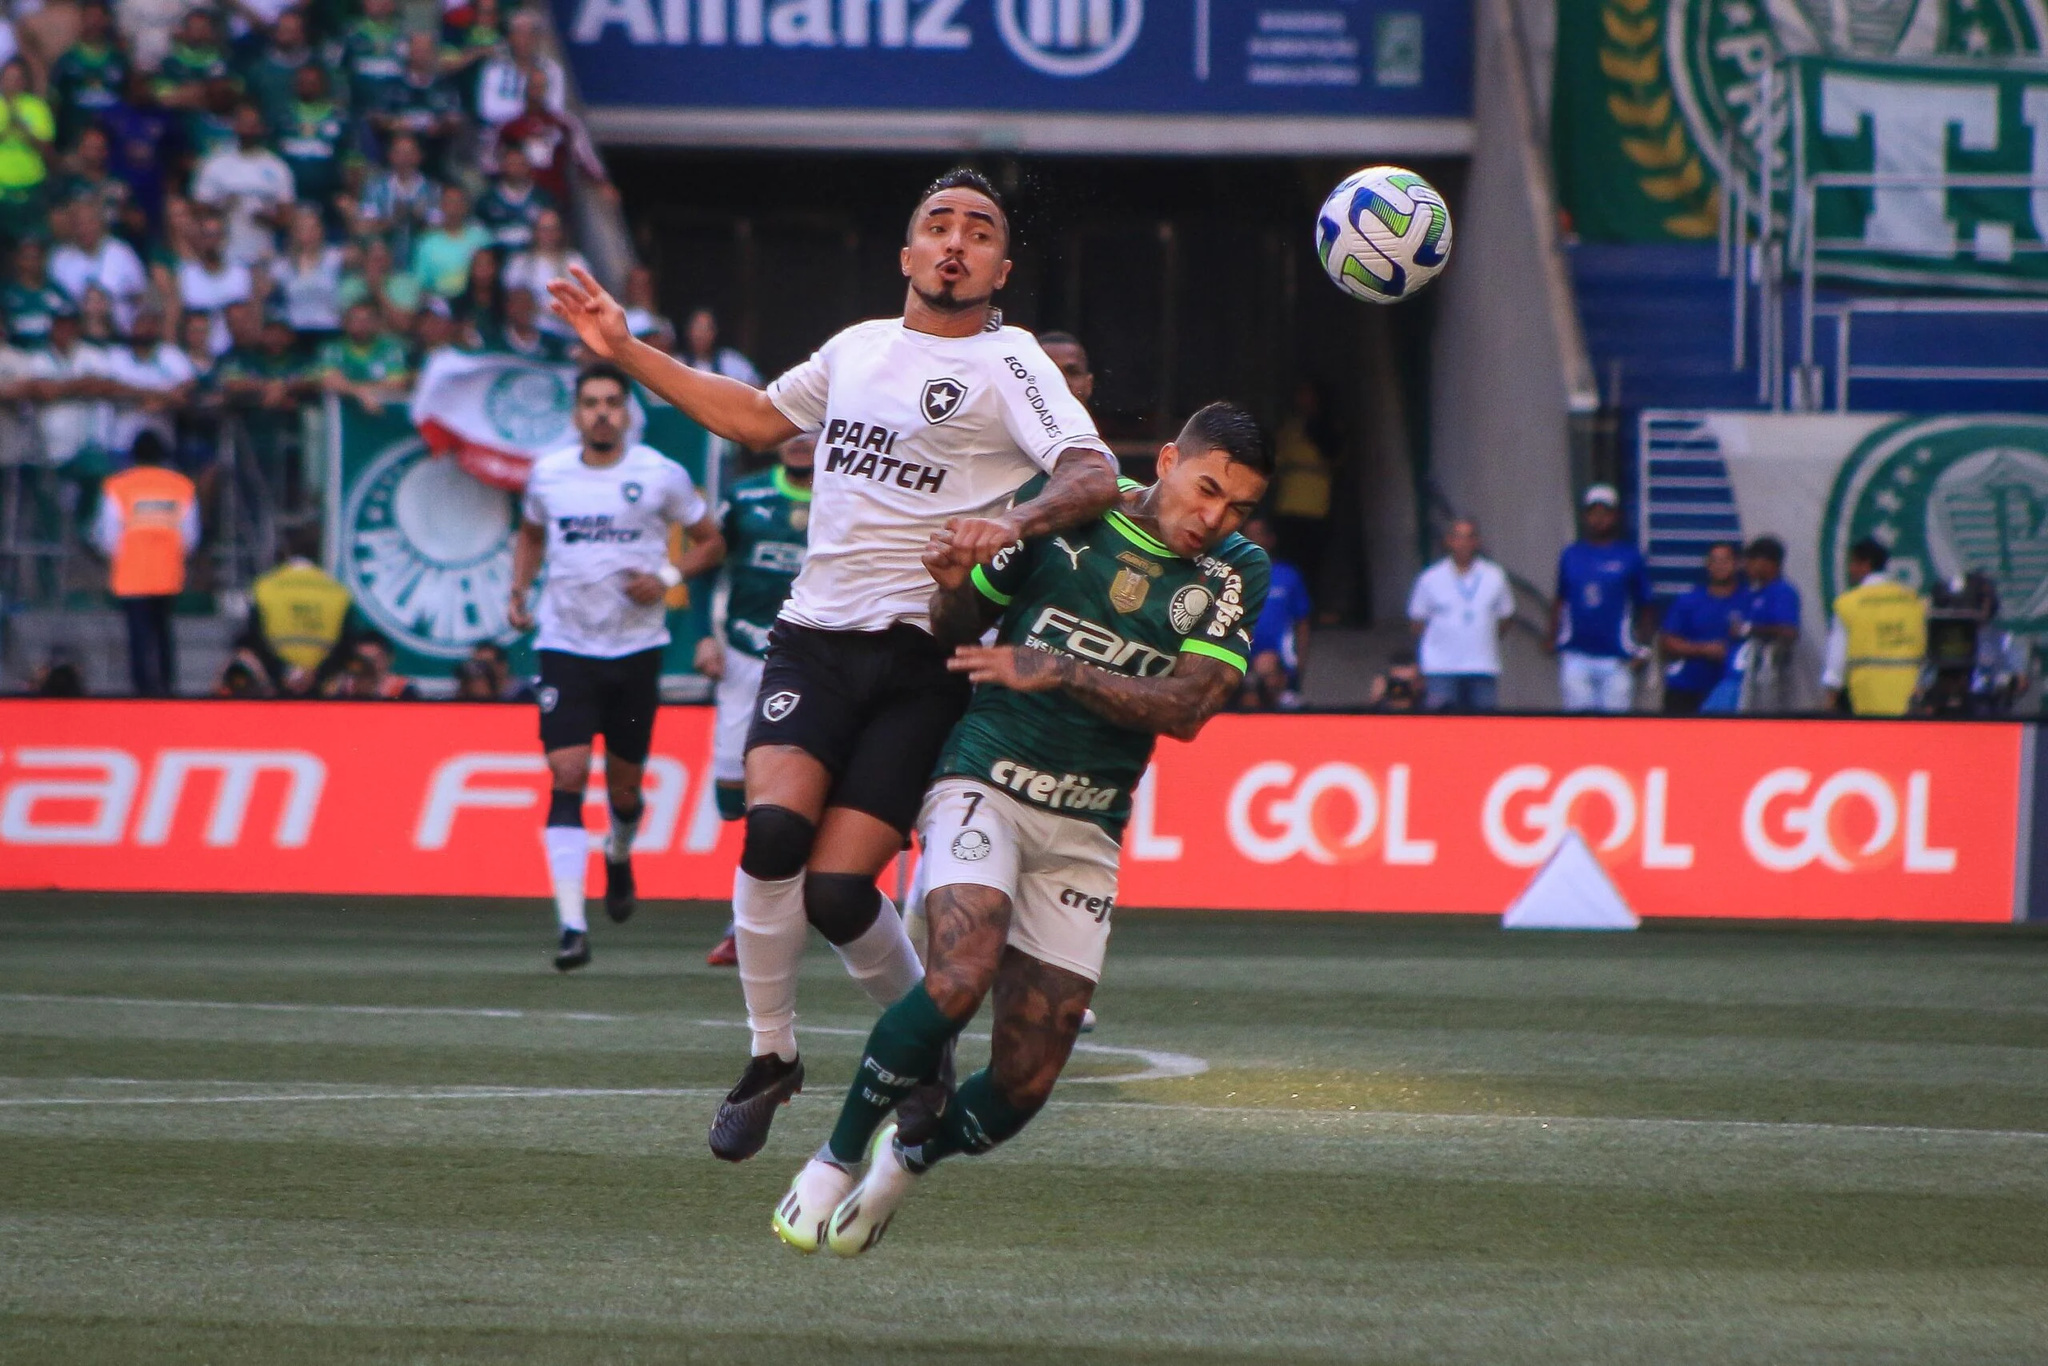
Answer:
(882, 960)
(568, 849)
(769, 930)
(619, 847)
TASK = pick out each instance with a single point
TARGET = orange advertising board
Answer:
(1753, 818)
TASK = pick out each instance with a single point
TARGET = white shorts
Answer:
(735, 697)
(1058, 871)
(1595, 682)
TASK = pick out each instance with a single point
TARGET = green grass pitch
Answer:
(245, 1130)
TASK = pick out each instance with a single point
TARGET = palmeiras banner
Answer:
(426, 546)
(1653, 96)
(1950, 495)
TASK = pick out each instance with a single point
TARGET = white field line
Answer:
(1437, 1119)
(1159, 1065)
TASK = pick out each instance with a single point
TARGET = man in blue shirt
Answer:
(1773, 626)
(1280, 640)
(1703, 629)
(1602, 585)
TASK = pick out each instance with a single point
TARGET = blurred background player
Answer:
(599, 513)
(929, 422)
(765, 521)
(1280, 645)
(1033, 791)
(1603, 586)
(1064, 350)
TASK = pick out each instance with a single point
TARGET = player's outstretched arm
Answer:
(1082, 487)
(728, 408)
(1178, 704)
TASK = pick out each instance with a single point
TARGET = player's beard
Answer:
(944, 300)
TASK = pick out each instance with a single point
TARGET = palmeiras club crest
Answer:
(941, 399)
(1950, 496)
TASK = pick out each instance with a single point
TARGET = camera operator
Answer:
(1974, 668)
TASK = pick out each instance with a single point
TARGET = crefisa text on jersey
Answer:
(861, 450)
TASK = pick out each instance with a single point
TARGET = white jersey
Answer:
(604, 525)
(912, 430)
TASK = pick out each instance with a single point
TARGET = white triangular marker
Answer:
(1571, 891)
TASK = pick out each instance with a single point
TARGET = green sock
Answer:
(977, 1120)
(904, 1046)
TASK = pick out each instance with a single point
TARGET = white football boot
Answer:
(863, 1217)
(801, 1217)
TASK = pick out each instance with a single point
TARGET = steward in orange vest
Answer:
(148, 524)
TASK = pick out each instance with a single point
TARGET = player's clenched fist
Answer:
(585, 305)
(944, 560)
(981, 539)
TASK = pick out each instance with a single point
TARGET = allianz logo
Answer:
(1065, 38)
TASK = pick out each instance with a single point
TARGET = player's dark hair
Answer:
(1228, 428)
(1057, 338)
(960, 178)
(1766, 548)
(603, 369)
(1870, 552)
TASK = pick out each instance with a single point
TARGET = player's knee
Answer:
(778, 843)
(732, 801)
(841, 906)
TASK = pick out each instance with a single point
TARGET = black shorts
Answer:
(874, 707)
(616, 698)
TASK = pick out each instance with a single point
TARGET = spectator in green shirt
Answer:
(91, 180)
(363, 363)
(373, 55)
(314, 136)
(423, 103)
(272, 77)
(514, 202)
(91, 75)
(440, 258)
(394, 293)
(196, 61)
(30, 300)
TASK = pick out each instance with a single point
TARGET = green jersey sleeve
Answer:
(1238, 574)
(1000, 578)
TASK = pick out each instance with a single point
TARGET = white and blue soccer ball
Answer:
(1383, 234)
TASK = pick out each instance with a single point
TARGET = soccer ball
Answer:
(1383, 234)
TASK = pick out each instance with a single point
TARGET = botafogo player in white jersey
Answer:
(599, 514)
(927, 425)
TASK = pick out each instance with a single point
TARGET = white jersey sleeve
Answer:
(802, 392)
(1039, 412)
(681, 501)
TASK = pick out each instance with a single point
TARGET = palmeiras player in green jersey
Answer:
(1113, 633)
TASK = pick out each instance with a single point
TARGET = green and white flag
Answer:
(426, 546)
(1651, 96)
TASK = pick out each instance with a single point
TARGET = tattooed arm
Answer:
(1082, 487)
(1176, 704)
(959, 610)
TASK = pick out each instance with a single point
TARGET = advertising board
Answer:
(1726, 818)
(1396, 73)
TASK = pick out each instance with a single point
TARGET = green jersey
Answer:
(1111, 596)
(382, 360)
(765, 521)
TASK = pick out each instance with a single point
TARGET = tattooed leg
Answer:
(909, 1044)
(1037, 1017)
